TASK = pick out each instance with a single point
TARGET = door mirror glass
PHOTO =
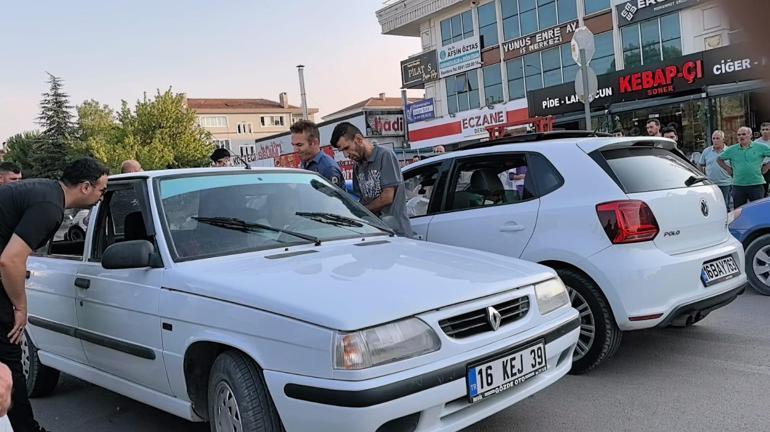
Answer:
(130, 254)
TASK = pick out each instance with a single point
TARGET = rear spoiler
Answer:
(664, 144)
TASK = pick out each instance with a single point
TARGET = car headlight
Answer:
(551, 295)
(733, 215)
(384, 344)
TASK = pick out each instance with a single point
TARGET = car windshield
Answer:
(222, 214)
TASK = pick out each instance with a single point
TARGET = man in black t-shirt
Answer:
(30, 213)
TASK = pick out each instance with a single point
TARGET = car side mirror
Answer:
(131, 254)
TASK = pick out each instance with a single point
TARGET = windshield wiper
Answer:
(693, 180)
(241, 225)
(340, 220)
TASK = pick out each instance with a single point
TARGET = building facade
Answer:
(235, 124)
(488, 62)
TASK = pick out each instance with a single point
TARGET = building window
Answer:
(594, 6)
(244, 128)
(493, 85)
(652, 41)
(462, 92)
(522, 17)
(515, 69)
(604, 57)
(488, 25)
(456, 28)
(533, 72)
(212, 121)
(225, 143)
(270, 121)
(569, 67)
(551, 60)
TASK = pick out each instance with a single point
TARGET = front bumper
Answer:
(430, 398)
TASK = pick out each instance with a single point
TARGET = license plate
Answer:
(506, 371)
(719, 270)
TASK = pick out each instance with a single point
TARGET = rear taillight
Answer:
(627, 221)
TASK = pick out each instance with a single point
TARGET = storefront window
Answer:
(688, 118)
(652, 41)
(730, 115)
(488, 24)
(456, 28)
(515, 79)
(462, 92)
(493, 85)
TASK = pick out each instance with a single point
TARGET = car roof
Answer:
(586, 144)
(207, 170)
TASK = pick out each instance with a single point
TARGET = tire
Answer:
(41, 379)
(599, 334)
(238, 399)
(758, 264)
(75, 233)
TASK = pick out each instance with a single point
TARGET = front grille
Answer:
(475, 322)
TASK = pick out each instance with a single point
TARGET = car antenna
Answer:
(239, 158)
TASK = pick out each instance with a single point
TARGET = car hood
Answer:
(348, 285)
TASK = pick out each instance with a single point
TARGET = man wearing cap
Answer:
(220, 157)
(307, 144)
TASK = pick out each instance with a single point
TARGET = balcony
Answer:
(403, 17)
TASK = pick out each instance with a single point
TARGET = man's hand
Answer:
(19, 323)
(728, 169)
(6, 386)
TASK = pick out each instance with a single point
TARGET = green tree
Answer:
(51, 153)
(20, 148)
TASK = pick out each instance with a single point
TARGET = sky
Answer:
(119, 49)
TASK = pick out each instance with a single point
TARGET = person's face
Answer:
(221, 163)
(415, 159)
(744, 136)
(718, 141)
(92, 193)
(10, 177)
(305, 146)
(652, 129)
(353, 149)
(439, 150)
(765, 130)
(671, 135)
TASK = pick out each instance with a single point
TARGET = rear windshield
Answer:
(645, 169)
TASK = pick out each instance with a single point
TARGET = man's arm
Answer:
(385, 199)
(13, 270)
(725, 167)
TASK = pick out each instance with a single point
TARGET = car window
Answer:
(120, 218)
(69, 240)
(645, 169)
(419, 184)
(490, 180)
(547, 177)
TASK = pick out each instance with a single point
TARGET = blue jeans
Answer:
(727, 193)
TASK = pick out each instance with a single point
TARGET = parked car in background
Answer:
(635, 231)
(750, 224)
(263, 299)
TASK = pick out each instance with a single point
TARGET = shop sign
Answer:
(663, 80)
(384, 124)
(459, 57)
(634, 11)
(418, 70)
(728, 64)
(420, 111)
(269, 151)
(476, 122)
(540, 41)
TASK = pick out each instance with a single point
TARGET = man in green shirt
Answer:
(745, 167)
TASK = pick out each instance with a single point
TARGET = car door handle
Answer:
(510, 227)
(28, 275)
(82, 283)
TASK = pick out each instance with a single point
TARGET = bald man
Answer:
(745, 167)
(130, 166)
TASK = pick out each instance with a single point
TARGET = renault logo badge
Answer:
(493, 318)
(704, 208)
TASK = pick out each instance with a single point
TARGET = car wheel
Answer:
(75, 233)
(758, 264)
(238, 397)
(41, 379)
(599, 335)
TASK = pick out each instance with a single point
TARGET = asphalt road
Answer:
(713, 376)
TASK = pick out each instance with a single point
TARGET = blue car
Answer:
(750, 224)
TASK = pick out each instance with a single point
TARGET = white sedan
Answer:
(267, 299)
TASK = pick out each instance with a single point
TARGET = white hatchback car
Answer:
(266, 299)
(636, 233)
